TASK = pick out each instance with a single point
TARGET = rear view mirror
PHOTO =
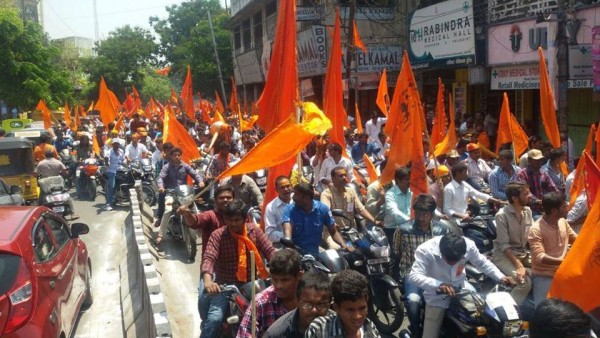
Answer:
(79, 229)
(15, 189)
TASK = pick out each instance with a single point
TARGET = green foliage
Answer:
(155, 86)
(26, 61)
(122, 59)
(186, 40)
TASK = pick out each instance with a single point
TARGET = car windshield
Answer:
(16, 161)
(9, 267)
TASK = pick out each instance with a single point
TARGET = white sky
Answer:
(64, 18)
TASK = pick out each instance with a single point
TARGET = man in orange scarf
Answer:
(226, 260)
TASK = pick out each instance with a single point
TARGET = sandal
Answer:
(158, 240)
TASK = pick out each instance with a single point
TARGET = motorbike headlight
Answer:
(380, 251)
(186, 199)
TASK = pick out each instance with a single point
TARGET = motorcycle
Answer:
(55, 196)
(125, 180)
(147, 169)
(329, 261)
(260, 177)
(69, 161)
(176, 226)
(372, 258)
(86, 178)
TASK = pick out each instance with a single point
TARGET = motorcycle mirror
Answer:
(337, 212)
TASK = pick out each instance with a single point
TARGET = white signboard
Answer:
(250, 68)
(524, 77)
(308, 13)
(442, 32)
(580, 62)
(312, 52)
(378, 58)
(369, 13)
(504, 10)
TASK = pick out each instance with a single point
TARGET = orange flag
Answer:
(95, 145)
(357, 40)
(579, 179)
(129, 104)
(187, 95)
(280, 95)
(233, 100)
(219, 104)
(278, 147)
(359, 125)
(576, 279)
(76, 122)
(373, 176)
(597, 139)
(218, 117)
(173, 97)
(383, 99)
(163, 71)
(136, 98)
(404, 114)
(120, 122)
(592, 178)
(91, 107)
(114, 100)
(438, 132)
(333, 101)
(67, 114)
(46, 114)
(547, 106)
(450, 139)
(418, 174)
(176, 133)
(509, 130)
(105, 105)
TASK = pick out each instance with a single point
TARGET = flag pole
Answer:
(253, 292)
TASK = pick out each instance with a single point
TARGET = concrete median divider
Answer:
(142, 302)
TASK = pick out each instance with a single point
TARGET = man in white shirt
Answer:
(335, 159)
(135, 150)
(373, 126)
(457, 192)
(275, 208)
(477, 169)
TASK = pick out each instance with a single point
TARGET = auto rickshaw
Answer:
(17, 167)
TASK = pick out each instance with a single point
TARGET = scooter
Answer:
(55, 196)
(86, 178)
(69, 161)
(176, 226)
(372, 258)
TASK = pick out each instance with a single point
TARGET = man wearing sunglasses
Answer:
(439, 269)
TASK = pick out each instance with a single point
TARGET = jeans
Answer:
(414, 296)
(541, 285)
(110, 194)
(161, 205)
(212, 312)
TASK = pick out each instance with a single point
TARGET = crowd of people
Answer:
(534, 222)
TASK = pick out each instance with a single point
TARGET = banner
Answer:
(596, 57)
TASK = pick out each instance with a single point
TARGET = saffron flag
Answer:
(371, 170)
(219, 104)
(579, 179)
(509, 130)
(173, 98)
(278, 147)
(187, 95)
(547, 105)
(450, 139)
(233, 100)
(75, 124)
(163, 71)
(120, 123)
(383, 99)
(438, 131)
(280, 95)
(46, 114)
(67, 114)
(136, 98)
(95, 145)
(357, 40)
(597, 139)
(592, 178)
(129, 104)
(418, 174)
(218, 117)
(576, 279)
(175, 132)
(105, 105)
(91, 107)
(333, 101)
(359, 125)
(405, 111)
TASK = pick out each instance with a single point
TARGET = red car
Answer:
(45, 273)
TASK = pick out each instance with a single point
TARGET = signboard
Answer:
(309, 13)
(312, 52)
(580, 62)
(442, 34)
(504, 10)
(525, 77)
(518, 42)
(378, 58)
(596, 57)
(250, 66)
(369, 13)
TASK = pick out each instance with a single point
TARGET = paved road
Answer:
(106, 246)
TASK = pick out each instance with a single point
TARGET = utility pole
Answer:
(350, 51)
(562, 56)
(96, 29)
(214, 43)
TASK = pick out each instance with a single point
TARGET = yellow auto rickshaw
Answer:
(17, 167)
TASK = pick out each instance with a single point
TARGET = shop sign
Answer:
(250, 68)
(442, 35)
(312, 52)
(378, 58)
(308, 13)
(369, 13)
(580, 62)
(527, 76)
(518, 42)
(504, 10)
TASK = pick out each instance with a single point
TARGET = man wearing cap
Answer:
(503, 173)
(135, 150)
(477, 169)
(539, 181)
(115, 157)
(436, 188)
(451, 158)
(136, 122)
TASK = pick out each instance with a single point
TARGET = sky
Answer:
(63, 18)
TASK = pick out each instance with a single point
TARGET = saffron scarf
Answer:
(245, 244)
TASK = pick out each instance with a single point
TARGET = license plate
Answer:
(378, 261)
(77, 173)
(58, 209)
(261, 181)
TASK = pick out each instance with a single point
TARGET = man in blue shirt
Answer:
(503, 173)
(304, 220)
(362, 147)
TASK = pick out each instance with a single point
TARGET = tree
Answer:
(27, 63)
(155, 86)
(186, 40)
(122, 60)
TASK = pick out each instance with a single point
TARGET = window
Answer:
(42, 243)
(258, 29)
(271, 8)
(237, 38)
(59, 230)
(246, 34)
